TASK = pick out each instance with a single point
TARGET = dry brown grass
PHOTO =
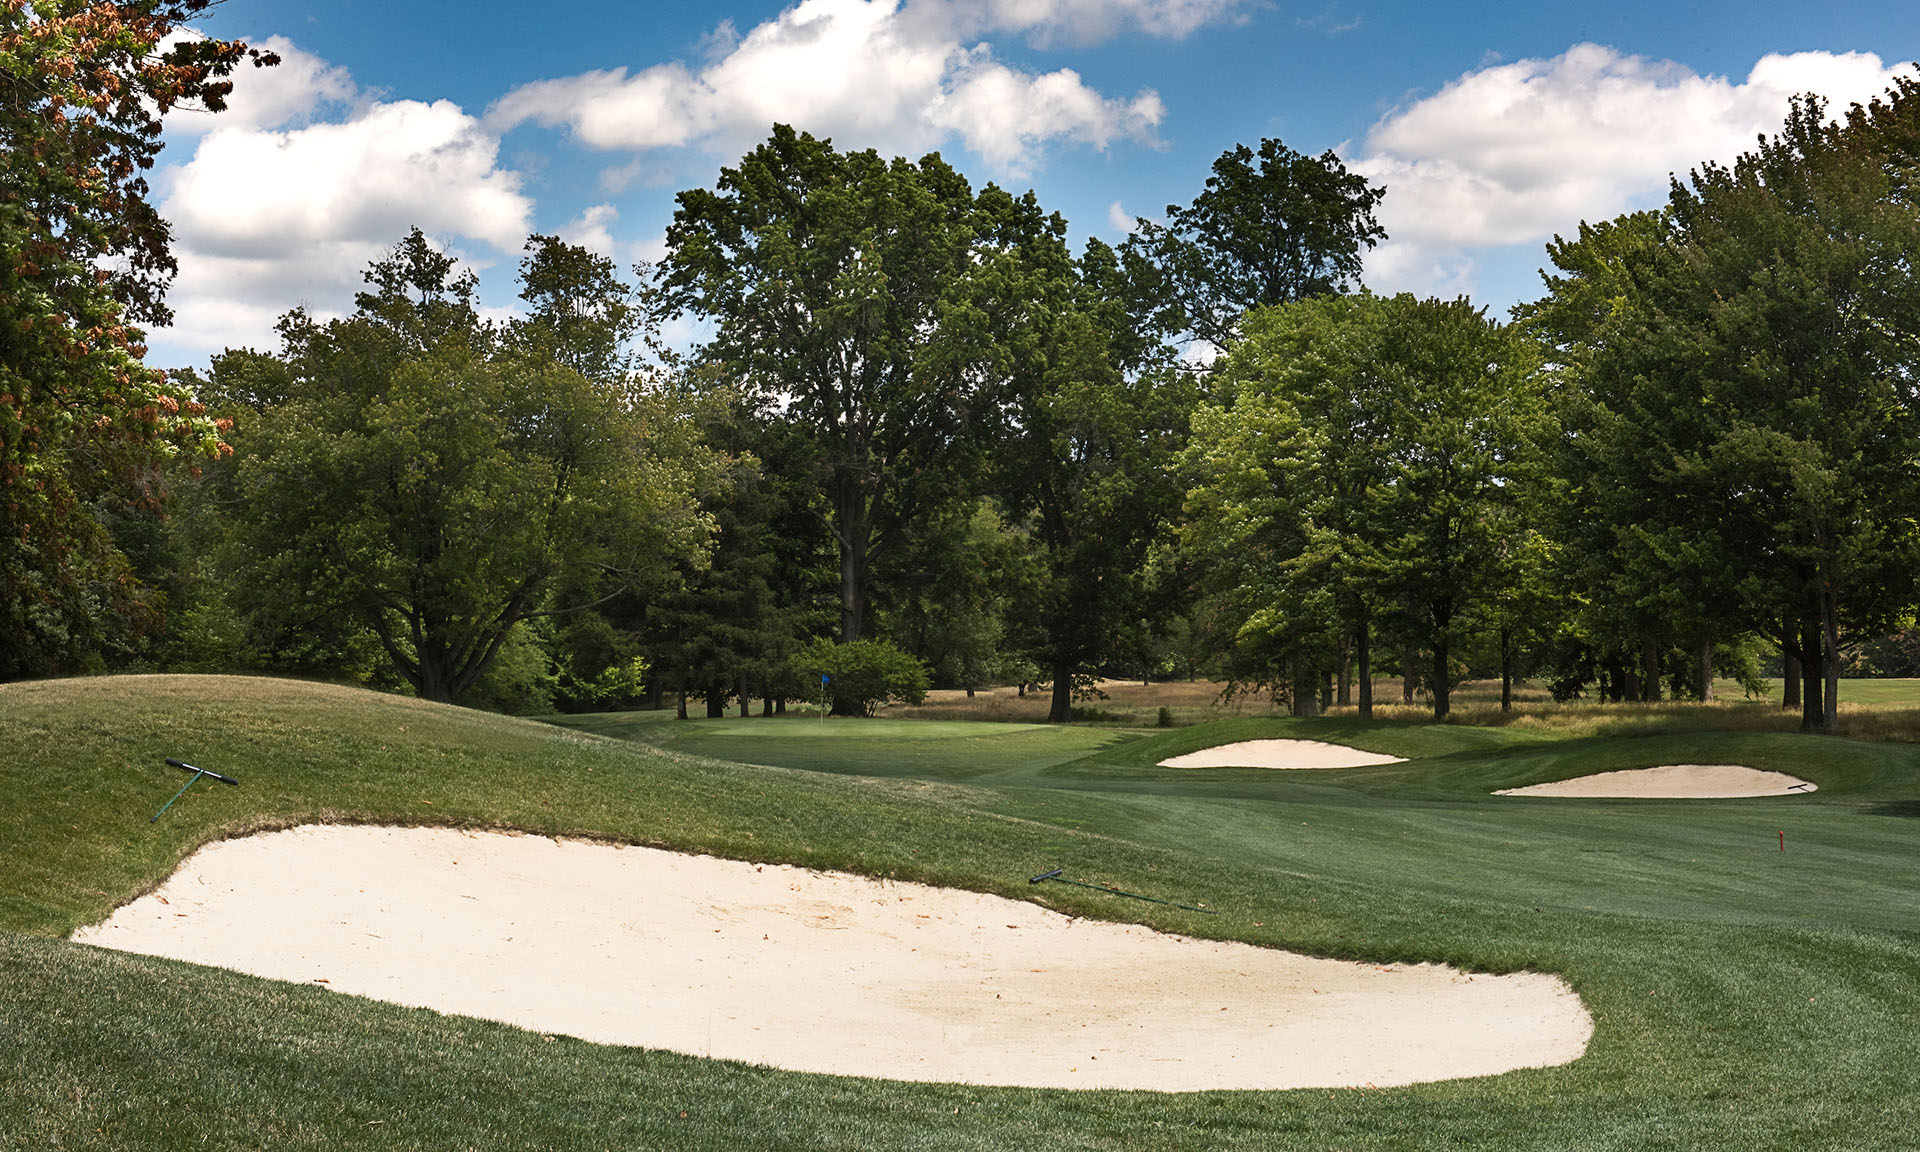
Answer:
(1128, 702)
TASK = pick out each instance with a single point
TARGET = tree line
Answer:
(926, 441)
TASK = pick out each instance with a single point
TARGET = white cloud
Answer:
(592, 229)
(266, 215)
(223, 301)
(1078, 21)
(1004, 115)
(1517, 152)
(863, 72)
(1119, 221)
(391, 167)
(291, 92)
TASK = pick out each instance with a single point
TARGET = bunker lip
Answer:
(1281, 754)
(1673, 782)
(822, 972)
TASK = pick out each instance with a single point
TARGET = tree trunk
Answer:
(1364, 642)
(1830, 658)
(1345, 658)
(1326, 689)
(1789, 666)
(779, 705)
(683, 704)
(746, 705)
(1506, 669)
(853, 578)
(1408, 677)
(1442, 677)
(1813, 710)
(1704, 687)
(716, 705)
(766, 707)
(969, 693)
(1650, 667)
(1303, 692)
(1062, 710)
(1628, 677)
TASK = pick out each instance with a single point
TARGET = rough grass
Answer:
(1744, 997)
(1869, 709)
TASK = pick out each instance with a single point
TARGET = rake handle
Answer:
(207, 772)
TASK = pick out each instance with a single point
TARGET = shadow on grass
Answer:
(1907, 808)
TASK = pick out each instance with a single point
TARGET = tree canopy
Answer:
(84, 262)
(434, 479)
(826, 275)
(1270, 227)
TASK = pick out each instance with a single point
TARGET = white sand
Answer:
(822, 972)
(1673, 782)
(1280, 754)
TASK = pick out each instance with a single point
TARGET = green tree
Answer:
(1648, 545)
(1269, 227)
(869, 673)
(1248, 519)
(85, 425)
(1467, 434)
(1800, 259)
(957, 582)
(720, 632)
(1740, 400)
(825, 276)
(1366, 453)
(433, 482)
(1083, 434)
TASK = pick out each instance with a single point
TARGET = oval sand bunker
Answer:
(821, 972)
(1280, 754)
(1673, 782)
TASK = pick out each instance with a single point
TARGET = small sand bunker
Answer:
(822, 972)
(1280, 754)
(1673, 782)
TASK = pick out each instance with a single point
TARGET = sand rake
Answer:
(197, 773)
(1056, 875)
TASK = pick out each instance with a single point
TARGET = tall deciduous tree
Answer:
(1087, 421)
(1800, 257)
(826, 276)
(84, 262)
(1367, 454)
(1648, 546)
(1270, 226)
(1466, 432)
(433, 482)
(1303, 569)
(1742, 371)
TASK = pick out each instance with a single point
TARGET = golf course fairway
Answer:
(1752, 966)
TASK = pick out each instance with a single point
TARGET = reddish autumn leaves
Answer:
(84, 260)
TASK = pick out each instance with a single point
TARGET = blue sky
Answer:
(1492, 127)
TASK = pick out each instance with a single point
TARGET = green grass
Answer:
(1743, 997)
(930, 749)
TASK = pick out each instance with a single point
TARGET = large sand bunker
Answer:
(822, 972)
(1672, 782)
(1280, 754)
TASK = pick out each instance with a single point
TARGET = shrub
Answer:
(863, 675)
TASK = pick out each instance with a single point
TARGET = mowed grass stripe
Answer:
(1728, 1025)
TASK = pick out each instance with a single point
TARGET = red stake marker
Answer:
(1783, 840)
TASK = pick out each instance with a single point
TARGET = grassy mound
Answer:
(1743, 997)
